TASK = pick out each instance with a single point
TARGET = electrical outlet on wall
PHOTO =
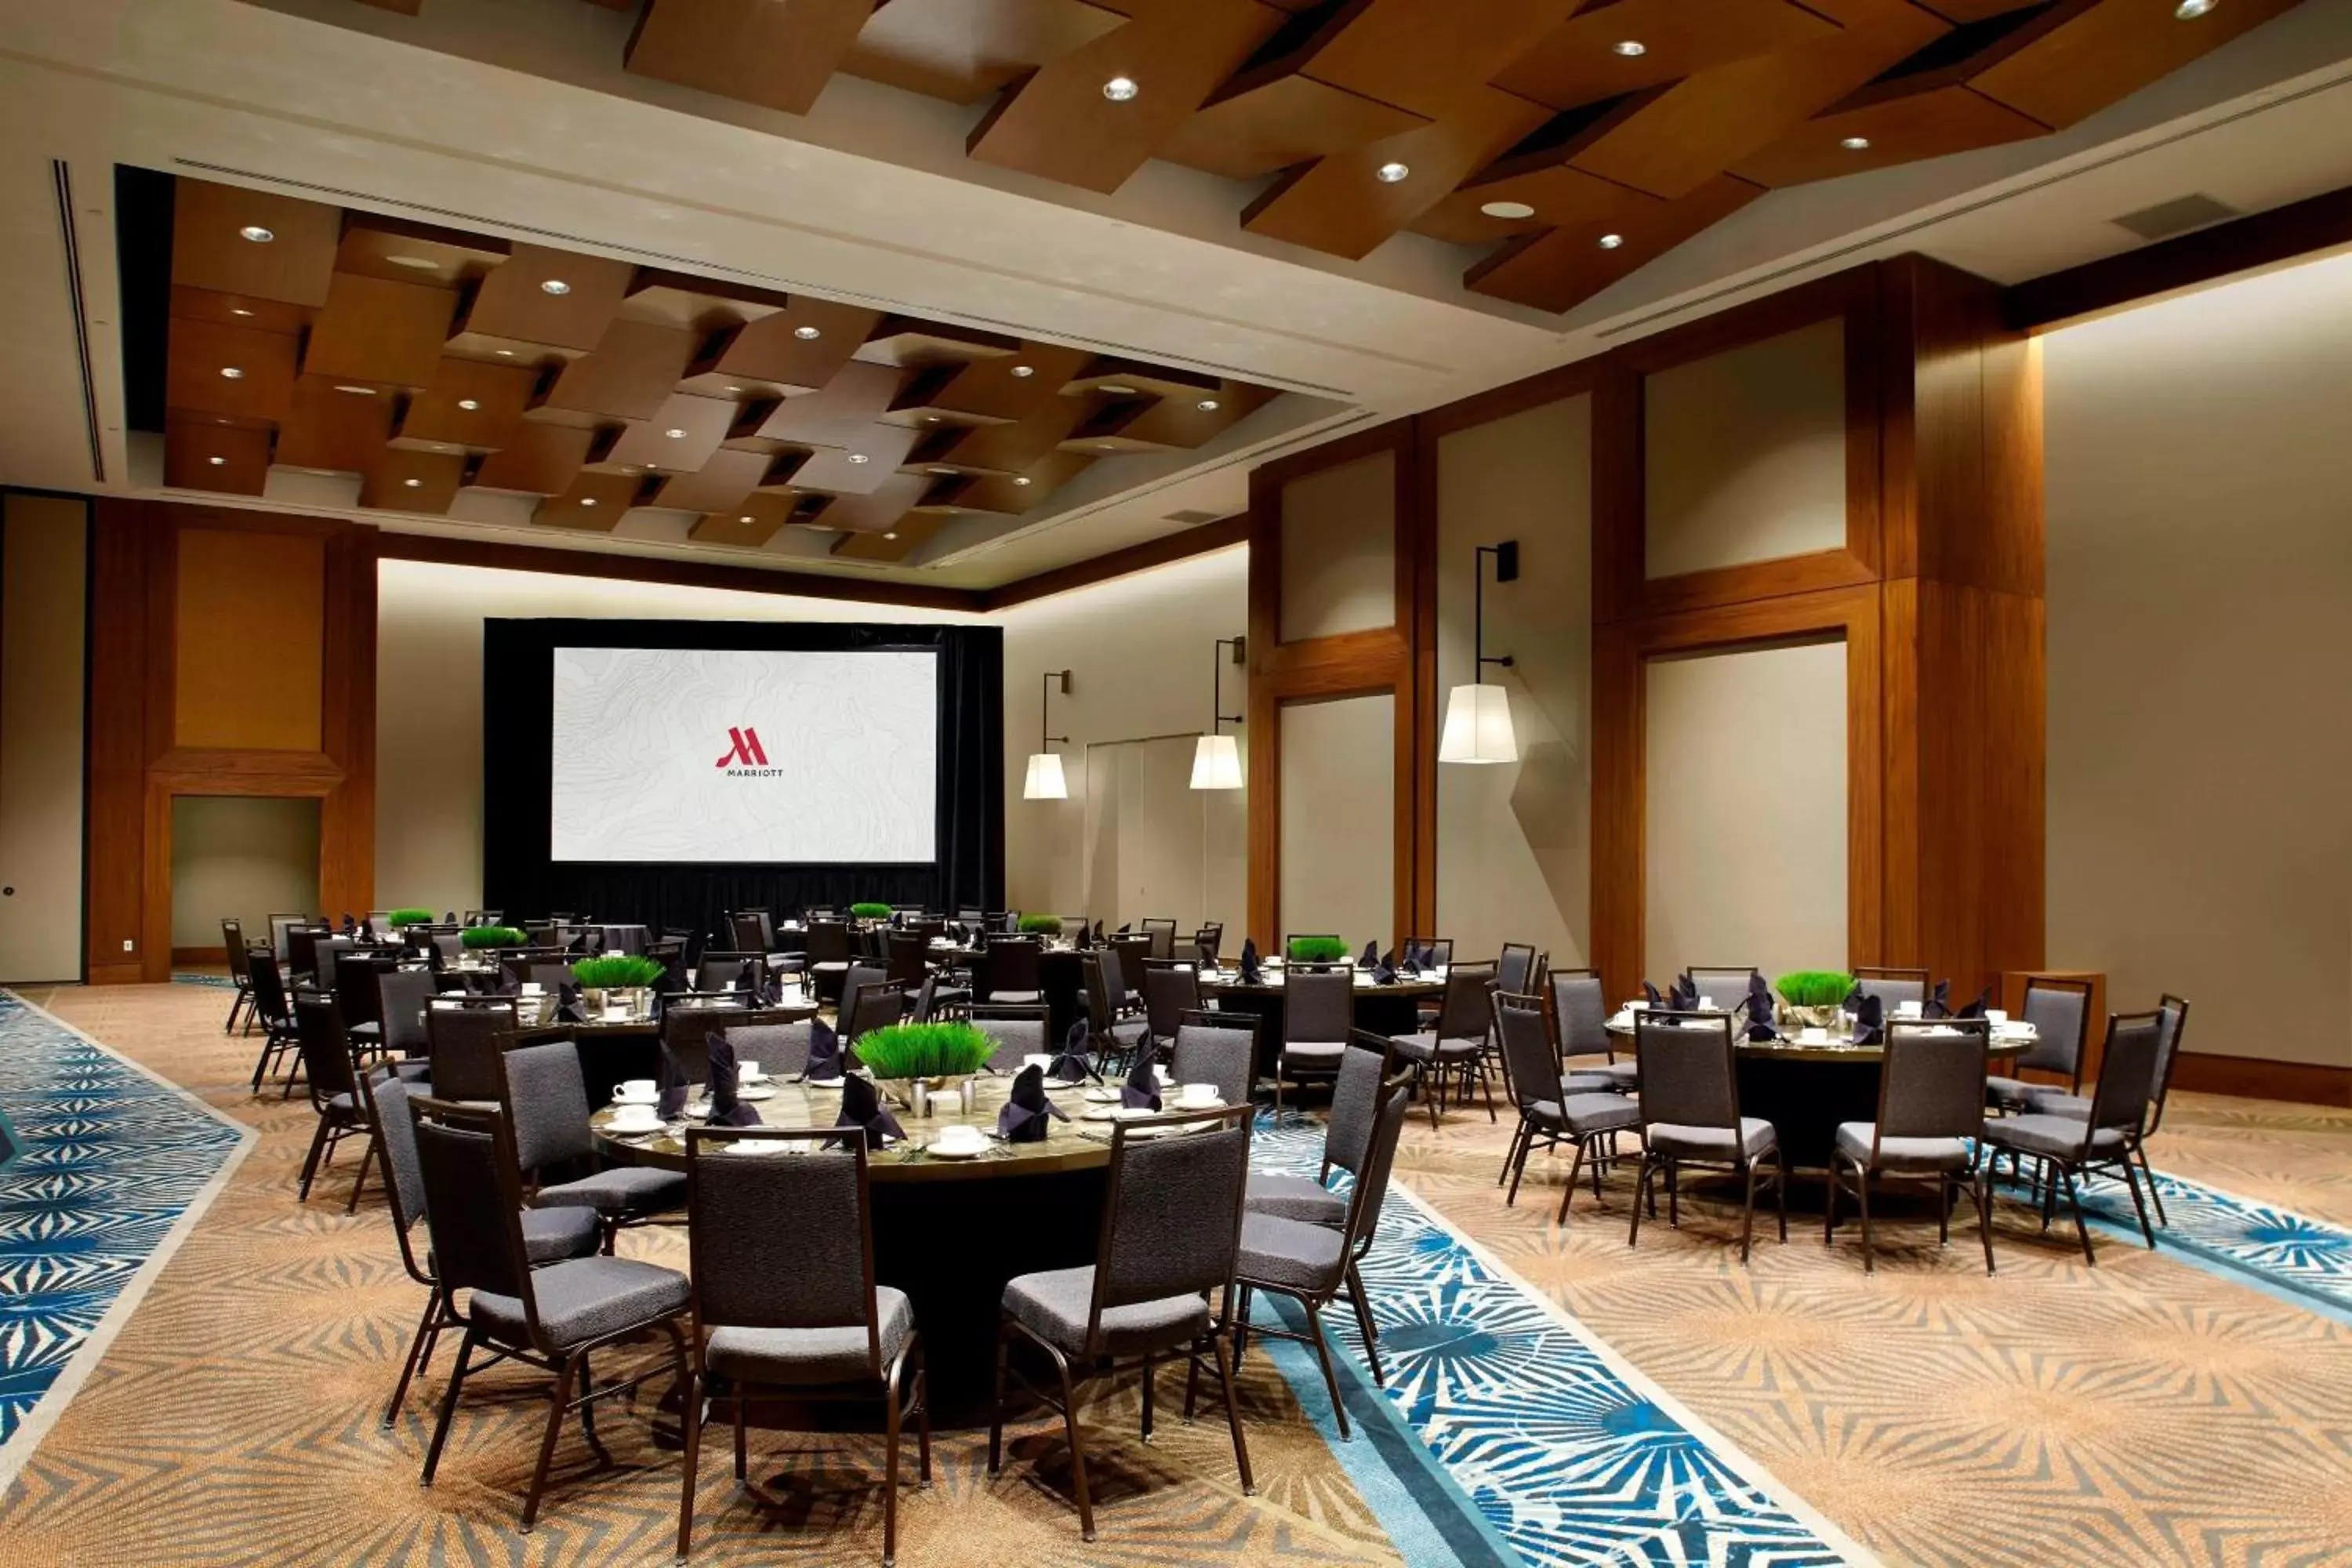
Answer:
(127, 944)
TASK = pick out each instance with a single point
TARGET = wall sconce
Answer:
(1479, 716)
(1044, 781)
(1216, 759)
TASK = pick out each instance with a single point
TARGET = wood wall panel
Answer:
(249, 609)
(116, 811)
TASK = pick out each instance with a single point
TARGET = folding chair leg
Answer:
(1077, 1444)
(557, 1398)
(2131, 1179)
(1569, 1192)
(448, 1409)
(310, 1163)
(1330, 1375)
(2075, 1202)
(2154, 1196)
(690, 1423)
(1365, 1327)
(1233, 1417)
(416, 1351)
(996, 1411)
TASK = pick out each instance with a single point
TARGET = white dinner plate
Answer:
(826, 1082)
(755, 1092)
(933, 1149)
(1103, 1096)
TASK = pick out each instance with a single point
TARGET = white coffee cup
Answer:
(959, 1139)
(747, 1070)
(1198, 1096)
(1638, 1006)
(531, 988)
(634, 1118)
(1037, 1060)
(639, 1090)
(1995, 1017)
(1813, 1034)
(1909, 1009)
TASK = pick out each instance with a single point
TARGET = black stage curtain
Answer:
(517, 698)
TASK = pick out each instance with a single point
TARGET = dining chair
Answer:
(1930, 1112)
(1172, 988)
(1458, 1039)
(1721, 985)
(868, 1006)
(1579, 1015)
(233, 946)
(1690, 1116)
(1017, 1032)
(728, 971)
(1368, 1063)
(272, 1011)
(1319, 1017)
(1892, 987)
(780, 1049)
(1162, 935)
(1314, 1265)
(546, 1101)
(1585, 1111)
(1209, 942)
(748, 931)
(1215, 1048)
(2060, 1012)
(402, 997)
(1439, 948)
(686, 1031)
(2068, 1146)
(827, 943)
(1115, 1032)
(2172, 1013)
(280, 928)
(907, 959)
(553, 1317)
(1010, 969)
(1158, 1261)
(329, 1069)
(461, 1039)
(549, 1235)
(1514, 969)
(795, 1318)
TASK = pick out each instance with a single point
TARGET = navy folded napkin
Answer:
(1650, 995)
(671, 1080)
(1870, 1022)
(825, 1052)
(1024, 1117)
(1371, 959)
(1142, 1089)
(862, 1108)
(1384, 972)
(1071, 1065)
(1683, 995)
(1939, 1006)
(1098, 935)
(450, 918)
(1409, 962)
(569, 1008)
(1760, 1010)
(1251, 974)
(1123, 928)
(726, 1108)
(1852, 1003)
(1976, 1009)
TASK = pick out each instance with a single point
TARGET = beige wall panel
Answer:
(1747, 863)
(1338, 550)
(1744, 454)
(1139, 650)
(44, 579)
(1513, 841)
(2200, 659)
(240, 857)
(249, 640)
(1338, 819)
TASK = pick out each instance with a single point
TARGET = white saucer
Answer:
(826, 1082)
(933, 1149)
(1100, 1096)
(637, 1100)
(632, 1131)
(755, 1092)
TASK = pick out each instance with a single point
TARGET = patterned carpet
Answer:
(1554, 1397)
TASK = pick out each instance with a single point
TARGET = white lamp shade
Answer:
(1044, 781)
(1477, 727)
(1216, 762)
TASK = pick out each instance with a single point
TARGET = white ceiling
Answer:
(514, 116)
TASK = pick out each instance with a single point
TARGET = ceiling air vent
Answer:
(2176, 216)
(1190, 518)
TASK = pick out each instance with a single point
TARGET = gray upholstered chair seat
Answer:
(1756, 1139)
(1582, 1082)
(2058, 1102)
(1430, 1046)
(368, 1034)
(1292, 1196)
(1127, 1032)
(1585, 1113)
(585, 1298)
(2011, 1091)
(1054, 1304)
(638, 1187)
(1325, 1052)
(417, 1075)
(343, 1103)
(1902, 1155)
(810, 1357)
(1015, 998)
(2058, 1135)
(830, 966)
(1295, 1254)
(1623, 1076)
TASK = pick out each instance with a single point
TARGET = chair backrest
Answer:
(473, 1201)
(909, 962)
(1098, 971)
(727, 970)
(1721, 983)
(1017, 1031)
(1527, 1053)
(1933, 1085)
(2060, 1012)
(1514, 969)
(1438, 949)
(1172, 988)
(1463, 1014)
(876, 1005)
(546, 1099)
(1209, 942)
(1010, 963)
(745, 928)
(2127, 1071)
(302, 951)
(1172, 1212)
(449, 944)
(1689, 1071)
(687, 1032)
(1216, 1047)
(355, 985)
(233, 947)
(815, 1271)
(1891, 986)
(461, 1035)
(396, 1129)
(828, 941)
(401, 997)
(1372, 1188)
(780, 1049)
(269, 985)
(1318, 1009)
(280, 926)
(1355, 1099)
(669, 952)
(1133, 950)
(1581, 1011)
(2174, 1013)
(325, 1053)
(1163, 937)
(326, 953)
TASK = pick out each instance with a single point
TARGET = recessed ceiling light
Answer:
(1021, 478)
(238, 311)
(1107, 446)
(414, 484)
(1611, 241)
(217, 462)
(808, 334)
(506, 353)
(745, 518)
(930, 418)
(1206, 405)
(891, 536)
(256, 233)
(1856, 143)
(1507, 209)
(1631, 49)
(1390, 173)
(734, 389)
(468, 404)
(357, 391)
(859, 458)
(1024, 371)
(587, 501)
(937, 470)
(422, 263)
(555, 286)
(2190, 10)
(1120, 89)
(674, 435)
(1120, 391)
(232, 372)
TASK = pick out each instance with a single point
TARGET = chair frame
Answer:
(1588, 1145)
(1975, 1178)
(2065, 1167)
(278, 1032)
(1740, 1164)
(336, 1125)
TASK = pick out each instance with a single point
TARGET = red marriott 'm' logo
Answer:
(746, 751)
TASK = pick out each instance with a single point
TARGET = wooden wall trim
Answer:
(1223, 534)
(115, 812)
(2298, 231)
(497, 555)
(2261, 1078)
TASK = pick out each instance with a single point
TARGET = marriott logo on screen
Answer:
(745, 758)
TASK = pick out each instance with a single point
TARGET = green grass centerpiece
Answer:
(616, 972)
(474, 937)
(911, 1051)
(1814, 995)
(870, 912)
(1041, 925)
(1317, 949)
(399, 918)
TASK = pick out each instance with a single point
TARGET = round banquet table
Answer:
(614, 1049)
(949, 1232)
(1805, 1089)
(1379, 1009)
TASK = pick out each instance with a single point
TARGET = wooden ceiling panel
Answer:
(1904, 129)
(593, 503)
(879, 510)
(389, 334)
(1003, 389)
(962, 50)
(332, 429)
(1059, 125)
(776, 53)
(632, 371)
(682, 434)
(910, 343)
(2089, 60)
(539, 459)
(404, 480)
(1165, 424)
(1578, 63)
(209, 249)
(1004, 448)
(698, 305)
(512, 306)
(233, 371)
(440, 415)
(201, 454)
(1287, 120)
(751, 523)
(777, 354)
(239, 309)
(1119, 376)
(861, 467)
(837, 412)
(1340, 205)
(1425, 55)
(399, 251)
(723, 483)
(1562, 193)
(910, 534)
(1560, 267)
(1009, 495)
